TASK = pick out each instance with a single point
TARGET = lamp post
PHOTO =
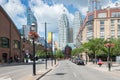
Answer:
(55, 55)
(33, 35)
(86, 56)
(45, 46)
(52, 47)
(109, 45)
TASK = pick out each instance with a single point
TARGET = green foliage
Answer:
(59, 54)
(40, 54)
(77, 51)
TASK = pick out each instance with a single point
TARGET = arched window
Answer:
(16, 44)
(4, 42)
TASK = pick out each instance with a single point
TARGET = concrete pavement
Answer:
(115, 68)
(38, 75)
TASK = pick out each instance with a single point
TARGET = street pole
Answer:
(55, 56)
(34, 64)
(52, 48)
(86, 57)
(109, 64)
(45, 46)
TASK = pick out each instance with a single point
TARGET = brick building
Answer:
(9, 38)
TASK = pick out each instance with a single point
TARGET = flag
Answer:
(49, 37)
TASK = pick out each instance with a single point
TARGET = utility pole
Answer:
(52, 48)
(46, 45)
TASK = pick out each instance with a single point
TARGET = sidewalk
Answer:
(38, 75)
(115, 68)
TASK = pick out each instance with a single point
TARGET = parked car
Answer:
(80, 61)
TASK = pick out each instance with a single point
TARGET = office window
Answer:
(115, 14)
(102, 36)
(4, 42)
(102, 15)
(118, 36)
(91, 17)
(101, 22)
(112, 32)
(112, 21)
(118, 20)
(118, 27)
(112, 27)
(101, 28)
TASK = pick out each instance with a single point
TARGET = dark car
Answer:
(80, 61)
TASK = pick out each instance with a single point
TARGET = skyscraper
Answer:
(63, 29)
(94, 5)
(30, 19)
(76, 26)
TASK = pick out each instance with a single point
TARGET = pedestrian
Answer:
(100, 62)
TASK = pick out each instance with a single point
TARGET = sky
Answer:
(48, 11)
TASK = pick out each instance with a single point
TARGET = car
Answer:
(80, 61)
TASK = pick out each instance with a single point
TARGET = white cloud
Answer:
(49, 14)
(44, 12)
(16, 11)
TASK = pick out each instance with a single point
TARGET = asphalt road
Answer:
(16, 72)
(67, 70)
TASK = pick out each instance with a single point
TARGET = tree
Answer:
(94, 46)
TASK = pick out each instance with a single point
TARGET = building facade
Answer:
(76, 26)
(63, 29)
(30, 19)
(101, 24)
(10, 39)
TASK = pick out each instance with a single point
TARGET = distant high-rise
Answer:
(63, 29)
(94, 5)
(70, 39)
(30, 19)
(76, 26)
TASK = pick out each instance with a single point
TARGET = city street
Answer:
(67, 70)
(17, 72)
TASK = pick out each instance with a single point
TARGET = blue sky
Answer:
(47, 11)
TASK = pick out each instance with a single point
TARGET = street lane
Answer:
(67, 70)
(16, 72)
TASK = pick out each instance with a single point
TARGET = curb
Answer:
(47, 72)
(43, 74)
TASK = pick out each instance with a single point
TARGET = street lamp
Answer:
(46, 45)
(55, 55)
(109, 45)
(33, 35)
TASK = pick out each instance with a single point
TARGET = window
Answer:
(118, 27)
(115, 14)
(112, 21)
(91, 17)
(101, 28)
(112, 32)
(16, 44)
(101, 15)
(112, 27)
(101, 22)
(118, 20)
(4, 42)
